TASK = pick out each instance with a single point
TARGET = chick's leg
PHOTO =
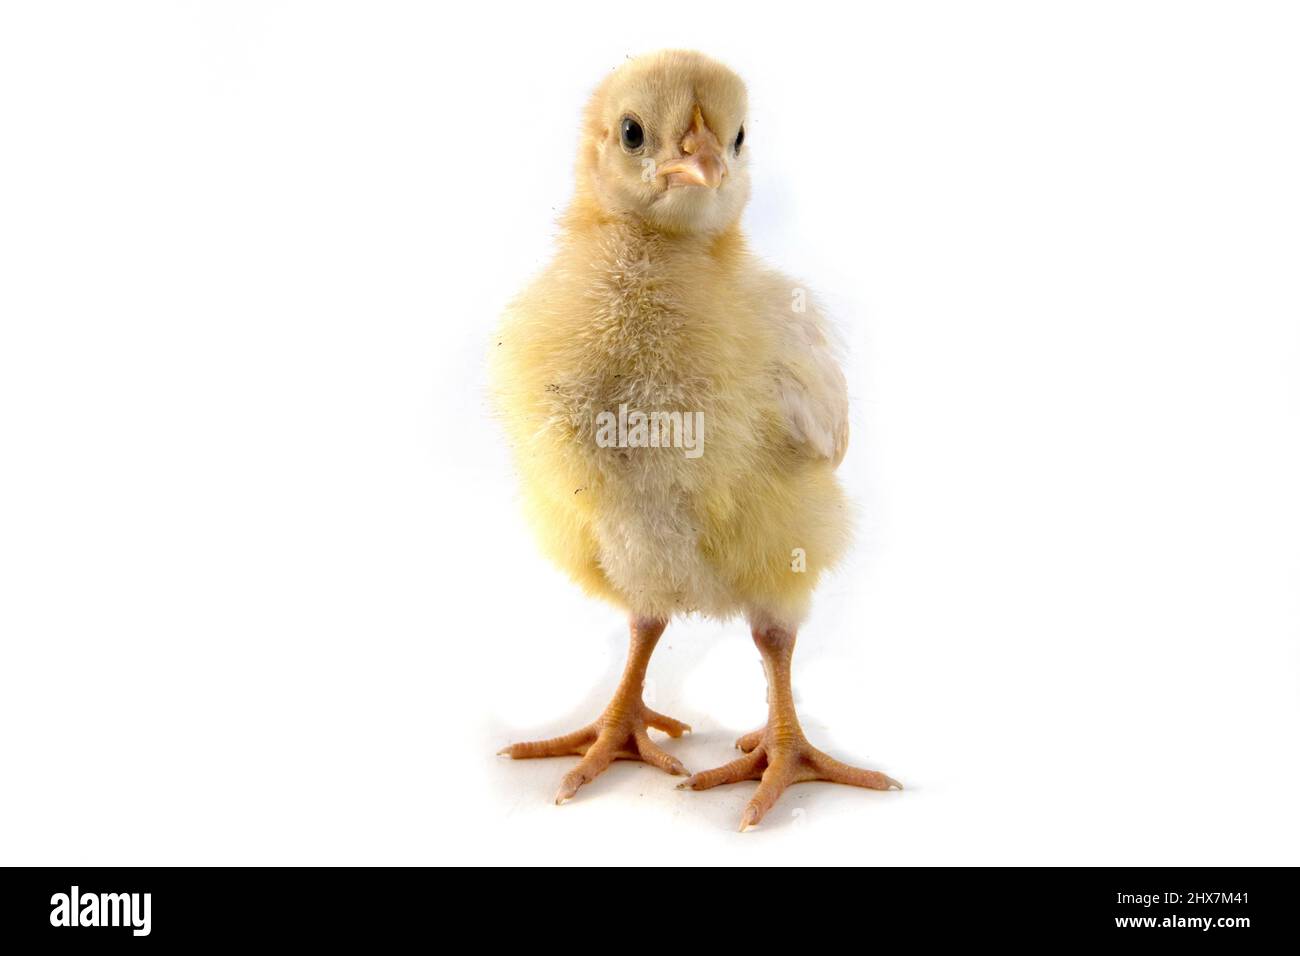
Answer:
(621, 732)
(779, 754)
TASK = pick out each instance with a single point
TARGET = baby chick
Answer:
(677, 414)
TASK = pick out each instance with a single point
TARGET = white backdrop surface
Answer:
(265, 594)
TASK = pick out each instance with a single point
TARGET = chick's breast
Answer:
(629, 321)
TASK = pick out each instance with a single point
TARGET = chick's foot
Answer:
(621, 733)
(779, 754)
(778, 760)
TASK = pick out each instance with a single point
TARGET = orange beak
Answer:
(701, 162)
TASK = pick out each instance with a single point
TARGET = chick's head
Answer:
(664, 142)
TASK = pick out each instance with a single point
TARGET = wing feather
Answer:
(811, 389)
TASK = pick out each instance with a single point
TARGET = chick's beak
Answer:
(701, 162)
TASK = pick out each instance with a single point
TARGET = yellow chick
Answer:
(677, 414)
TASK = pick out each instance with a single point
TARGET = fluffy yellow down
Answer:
(631, 314)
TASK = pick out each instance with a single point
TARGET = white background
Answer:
(265, 596)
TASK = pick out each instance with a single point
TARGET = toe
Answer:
(656, 756)
(775, 779)
(599, 756)
(673, 728)
(555, 747)
(828, 768)
(748, 767)
(749, 741)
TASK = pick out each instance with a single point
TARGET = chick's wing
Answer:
(811, 389)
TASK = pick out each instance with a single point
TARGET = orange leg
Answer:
(779, 754)
(620, 733)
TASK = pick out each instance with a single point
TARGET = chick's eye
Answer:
(740, 140)
(632, 133)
